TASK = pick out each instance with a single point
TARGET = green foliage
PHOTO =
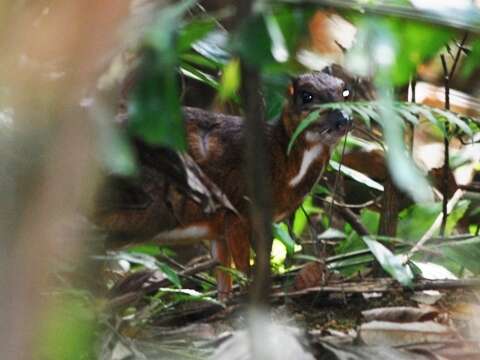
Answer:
(308, 208)
(149, 262)
(403, 45)
(68, 330)
(115, 150)
(154, 107)
(471, 62)
(415, 220)
(280, 232)
(268, 40)
(230, 81)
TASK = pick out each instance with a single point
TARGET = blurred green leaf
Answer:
(196, 74)
(274, 90)
(370, 219)
(400, 44)
(199, 60)
(415, 220)
(154, 107)
(390, 262)
(462, 255)
(266, 39)
(67, 331)
(150, 262)
(280, 232)
(230, 81)
(471, 61)
(465, 17)
(214, 47)
(300, 220)
(192, 32)
(189, 295)
(115, 150)
(148, 249)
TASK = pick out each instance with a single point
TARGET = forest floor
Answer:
(369, 318)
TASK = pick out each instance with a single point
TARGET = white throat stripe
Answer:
(309, 156)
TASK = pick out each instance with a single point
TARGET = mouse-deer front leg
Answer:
(235, 245)
(237, 235)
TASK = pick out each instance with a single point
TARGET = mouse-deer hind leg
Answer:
(224, 279)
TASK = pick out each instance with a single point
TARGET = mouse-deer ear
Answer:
(290, 89)
(291, 85)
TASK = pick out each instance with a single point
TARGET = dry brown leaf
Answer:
(400, 314)
(396, 334)
(312, 274)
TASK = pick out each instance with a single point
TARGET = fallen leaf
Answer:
(312, 274)
(400, 314)
(396, 334)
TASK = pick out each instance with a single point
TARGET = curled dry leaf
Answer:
(312, 274)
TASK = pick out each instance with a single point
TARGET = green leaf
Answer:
(190, 295)
(391, 263)
(148, 249)
(213, 47)
(471, 61)
(192, 32)
(170, 274)
(407, 114)
(266, 39)
(154, 106)
(395, 45)
(67, 330)
(230, 81)
(454, 119)
(311, 118)
(280, 232)
(196, 74)
(415, 220)
(363, 114)
(199, 60)
(115, 150)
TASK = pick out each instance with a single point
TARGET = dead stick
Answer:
(385, 285)
(353, 220)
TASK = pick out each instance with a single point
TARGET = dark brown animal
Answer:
(160, 204)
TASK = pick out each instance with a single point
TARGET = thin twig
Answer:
(350, 206)
(413, 99)
(458, 54)
(446, 151)
(337, 179)
(448, 75)
(353, 220)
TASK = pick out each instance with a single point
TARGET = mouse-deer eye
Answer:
(306, 97)
(346, 93)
